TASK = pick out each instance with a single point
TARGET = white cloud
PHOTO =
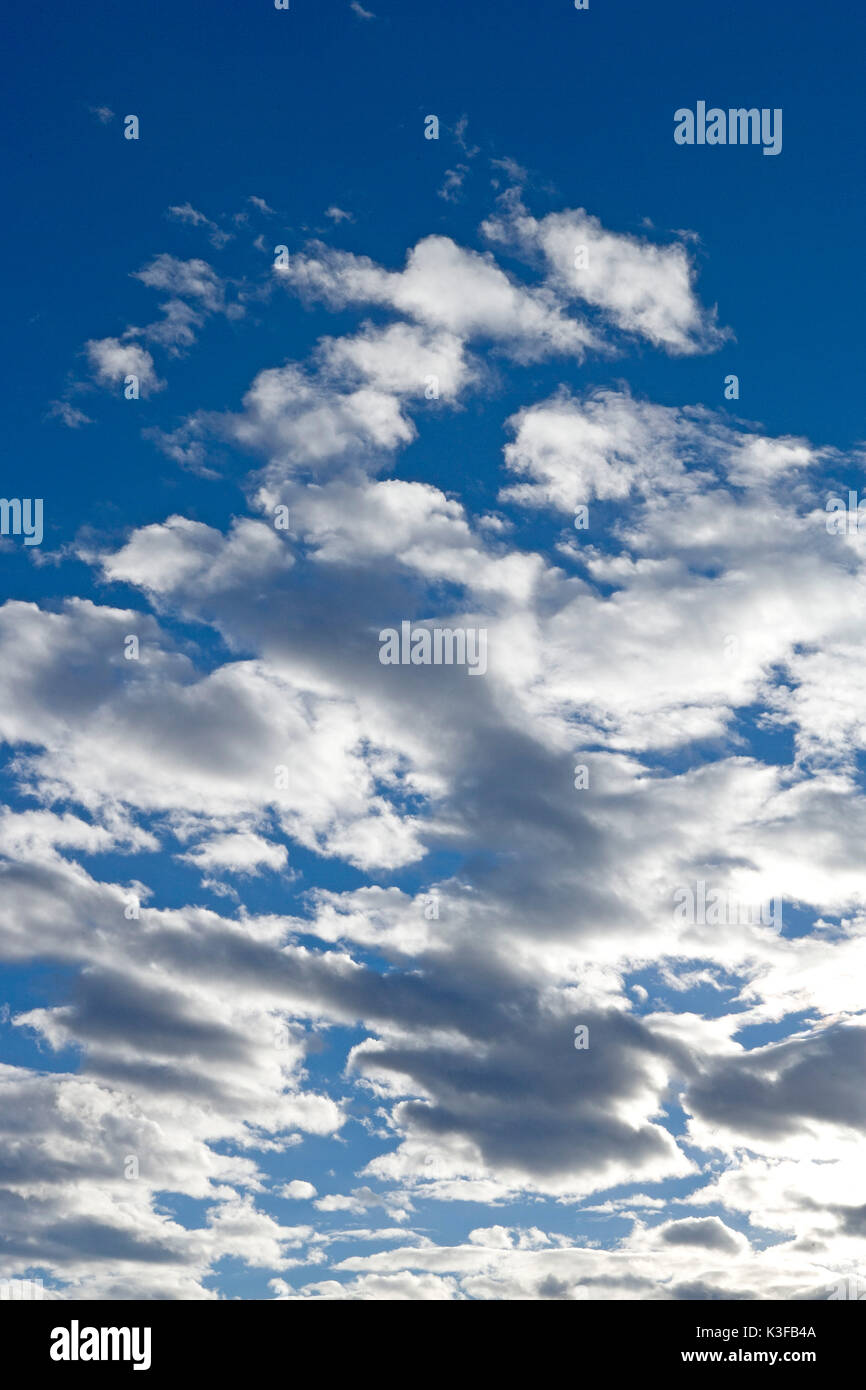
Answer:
(240, 852)
(193, 279)
(297, 1190)
(70, 414)
(446, 287)
(641, 287)
(112, 360)
(185, 212)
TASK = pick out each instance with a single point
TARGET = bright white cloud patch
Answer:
(449, 288)
(642, 288)
(112, 361)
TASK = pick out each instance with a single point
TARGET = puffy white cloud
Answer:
(644, 289)
(179, 553)
(112, 360)
(241, 852)
(298, 1190)
(445, 287)
(297, 420)
(234, 746)
(402, 359)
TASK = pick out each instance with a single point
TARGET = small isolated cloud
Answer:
(185, 212)
(460, 136)
(297, 1190)
(240, 853)
(112, 361)
(338, 215)
(450, 189)
(259, 203)
(103, 114)
(71, 416)
(514, 172)
(193, 279)
(360, 11)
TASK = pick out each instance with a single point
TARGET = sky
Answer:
(531, 975)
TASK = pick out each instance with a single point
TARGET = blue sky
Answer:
(698, 647)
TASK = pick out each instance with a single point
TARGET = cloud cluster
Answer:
(450, 877)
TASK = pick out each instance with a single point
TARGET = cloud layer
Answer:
(242, 839)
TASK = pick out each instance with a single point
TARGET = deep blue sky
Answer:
(314, 106)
